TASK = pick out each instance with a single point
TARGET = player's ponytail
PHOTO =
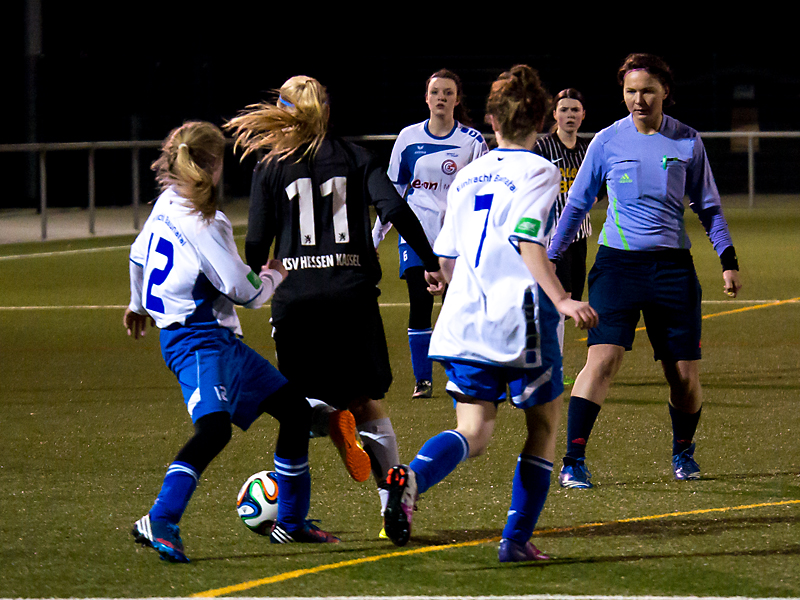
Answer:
(296, 121)
(518, 103)
(189, 157)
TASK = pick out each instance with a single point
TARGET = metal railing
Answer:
(41, 149)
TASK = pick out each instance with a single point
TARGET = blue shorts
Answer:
(660, 285)
(219, 373)
(408, 258)
(527, 386)
(494, 383)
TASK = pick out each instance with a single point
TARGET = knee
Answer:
(604, 366)
(478, 440)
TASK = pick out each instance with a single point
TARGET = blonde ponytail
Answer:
(189, 157)
(297, 120)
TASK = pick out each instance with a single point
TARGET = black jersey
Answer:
(317, 213)
(568, 161)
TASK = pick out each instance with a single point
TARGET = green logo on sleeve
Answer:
(254, 279)
(528, 226)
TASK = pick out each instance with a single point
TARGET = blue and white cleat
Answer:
(575, 476)
(162, 536)
(511, 551)
(684, 465)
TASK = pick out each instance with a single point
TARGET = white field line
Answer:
(382, 305)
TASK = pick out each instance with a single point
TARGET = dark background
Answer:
(103, 72)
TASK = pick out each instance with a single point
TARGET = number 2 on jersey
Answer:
(483, 202)
(159, 276)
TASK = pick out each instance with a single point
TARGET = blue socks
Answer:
(438, 457)
(176, 491)
(529, 491)
(294, 491)
(419, 340)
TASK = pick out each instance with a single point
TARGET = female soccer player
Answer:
(648, 161)
(186, 277)
(492, 249)
(310, 195)
(425, 159)
(566, 151)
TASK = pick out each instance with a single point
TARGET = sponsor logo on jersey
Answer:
(449, 167)
(425, 185)
(625, 179)
(528, 226)
(254, 279)
(326, 261)
(165, 219)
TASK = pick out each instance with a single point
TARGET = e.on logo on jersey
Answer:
(424, 185)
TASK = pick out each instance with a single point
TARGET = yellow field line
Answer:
(247, 585)
(735, 310)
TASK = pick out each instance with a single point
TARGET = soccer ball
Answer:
(257, 503)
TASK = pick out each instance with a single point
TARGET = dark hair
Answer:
(570, 93)
(460, 112)
(518, 103)
(655, 66)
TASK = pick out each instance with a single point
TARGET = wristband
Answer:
(729, 260)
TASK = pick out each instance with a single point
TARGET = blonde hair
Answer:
(518, 103)
(189, 156)
(298, 118)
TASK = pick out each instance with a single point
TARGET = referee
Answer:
(566, 150)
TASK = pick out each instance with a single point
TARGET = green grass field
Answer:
(90, 419)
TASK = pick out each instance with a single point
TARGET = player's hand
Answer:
(275, 264)
(136, 324)
(436, 282)
(585, 316)
(732, 285)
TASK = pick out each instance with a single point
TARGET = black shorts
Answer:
(662, 286)
(334, 351)
(571, 269)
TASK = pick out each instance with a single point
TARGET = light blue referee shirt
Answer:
(647, 177)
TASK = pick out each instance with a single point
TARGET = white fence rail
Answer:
(42, 149)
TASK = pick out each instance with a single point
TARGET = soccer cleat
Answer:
(162, 536)
(342, 430)
(511, 551)
(309, 534)
(400, 508)
(423, 389)
(382, 534)
(575, 476)
(684, 465)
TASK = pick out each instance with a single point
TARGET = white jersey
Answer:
(186, 271)
(422, 168)
(501, 199)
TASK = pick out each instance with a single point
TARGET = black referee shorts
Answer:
(334, 351)
(660, 285)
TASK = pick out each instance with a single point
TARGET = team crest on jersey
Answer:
(449, 167)
(528, 226)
